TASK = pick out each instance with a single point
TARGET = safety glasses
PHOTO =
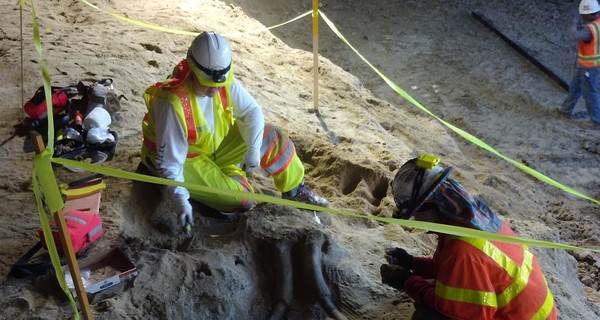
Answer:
(452, 200)
(405, 209)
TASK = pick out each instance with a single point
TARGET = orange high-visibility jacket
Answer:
(480, 279)
(588, 53)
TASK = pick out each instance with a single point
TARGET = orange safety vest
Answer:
(588, 53)
(491, 280)
(179, 92)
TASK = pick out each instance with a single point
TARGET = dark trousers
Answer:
(425, 313)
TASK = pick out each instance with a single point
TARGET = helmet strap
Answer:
(217, 76)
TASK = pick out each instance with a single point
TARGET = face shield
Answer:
(412, 189)
(417, 186)
(452, 200)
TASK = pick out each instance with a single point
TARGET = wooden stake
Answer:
(65, 241)
(315, 16)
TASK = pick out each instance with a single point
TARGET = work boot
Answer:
(590, 125)
(302, 193)
(573, 115)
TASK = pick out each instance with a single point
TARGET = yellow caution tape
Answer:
(290, 21)
(139, 23)
(45, 74)
(459, 131)
(50, 244)
(169, 30)
(434, 227)
(43, 169)
(393, 85)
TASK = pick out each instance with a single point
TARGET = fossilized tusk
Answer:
(312, 247)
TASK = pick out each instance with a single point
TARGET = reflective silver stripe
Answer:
(79, 220)
(93, 232)
(280, 151)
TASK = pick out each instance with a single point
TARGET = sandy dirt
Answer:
(434, 50)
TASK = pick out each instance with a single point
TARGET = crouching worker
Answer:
(467, 278)
(203, 127)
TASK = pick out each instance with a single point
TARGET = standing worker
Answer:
(587, 70)
(203, 127)
(467, 278)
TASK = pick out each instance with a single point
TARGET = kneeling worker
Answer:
(203, 127)
(467, 278)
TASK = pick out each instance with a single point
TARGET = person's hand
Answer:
(251, 160)
(185, 212)
(399, 257)
(394, 276)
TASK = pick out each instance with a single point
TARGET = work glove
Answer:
(184, 209)
(251, 160)
(394, 276)
(399, 257)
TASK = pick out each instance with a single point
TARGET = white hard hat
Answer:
(413, 184)
(209, 57)
(589, 6)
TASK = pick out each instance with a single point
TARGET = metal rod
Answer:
(315, 16)
(521, 50)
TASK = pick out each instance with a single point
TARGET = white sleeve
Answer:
(171, 146)
(248, 115)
